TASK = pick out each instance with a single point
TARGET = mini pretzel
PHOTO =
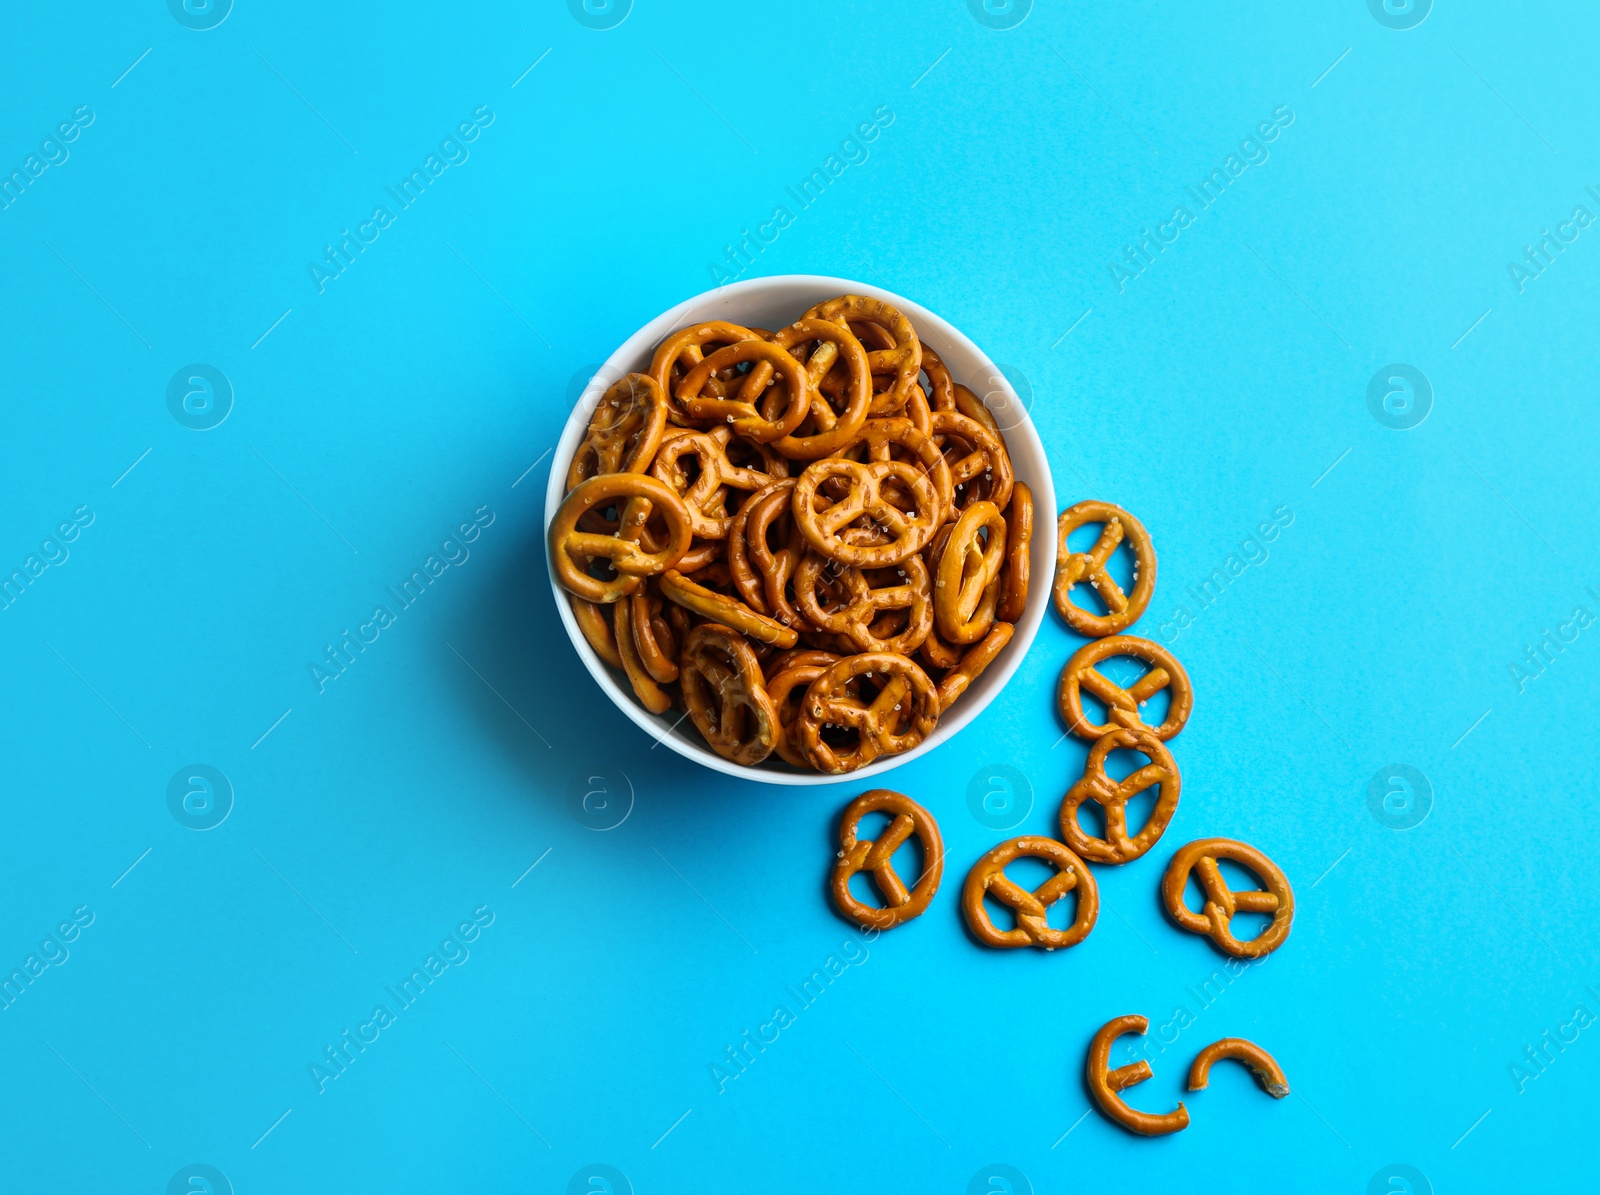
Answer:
(837, 347)
(1104, 1084)
(826, 529)
(683, 350)
(1072, 567)
(1019, 541)
(941, 389)
(724, 694)
(654, 637)
(954, 683)
(901, 715)
(742, 413)
(596, 629)
(624, 430)
(705, 495)
(968, 587)
(1221, 902)
(1122, 705)
(900, 905)
(988, 876)
(787, 681)
(861, 602)
(904, 359)
(882, 439)
(980, 467)
(762, 573)
(571, 549)
(1262, 1065)
(1112, 796)
(720, 608)
(650, 694)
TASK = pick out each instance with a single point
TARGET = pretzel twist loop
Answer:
(877, 856)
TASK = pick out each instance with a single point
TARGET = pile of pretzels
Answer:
(809, 540)
(1069, 855)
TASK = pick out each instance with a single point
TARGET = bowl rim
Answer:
(642, 344)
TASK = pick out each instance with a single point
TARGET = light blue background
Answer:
(435, 373)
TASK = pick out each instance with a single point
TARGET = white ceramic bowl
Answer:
(775, 303)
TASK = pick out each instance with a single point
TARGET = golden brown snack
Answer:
(1262, 1065)
(903, 359)
(1123, 705)
(571, 550)
(1105, 1085)
(1019, 541)
(865, 506)
(789, 675)
(744, 414)
(728, 611)
(968, 585)
(900, 904)
(762, 573)
(845, 600)
(624, 430)
(650, 694)
(980, 467)
(941, 388)
(682, 351)
(596, 628)
(1221, 902)
(1113, 796)
(1123, 609)
(830, 430)
(704, 491)
(725, 695)
(969, 404)
(976, 658)
(898, 717)
(988, 877)
(653, 635)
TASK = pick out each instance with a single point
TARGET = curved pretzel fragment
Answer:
(1105, 1085)
(1268, 1074)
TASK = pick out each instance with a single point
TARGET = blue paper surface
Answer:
(297, 300)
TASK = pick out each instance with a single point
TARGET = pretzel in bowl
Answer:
(744, 413)
(725, 696)
(682, 351)
(762, 573)
(859, 729)
(969, 574)
(810, 539)
(1019, 542)
(902, 358)
(863, 600)
(788, 678)
(624, 430)
(979, 464)
(891, 532)
(573, 551)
